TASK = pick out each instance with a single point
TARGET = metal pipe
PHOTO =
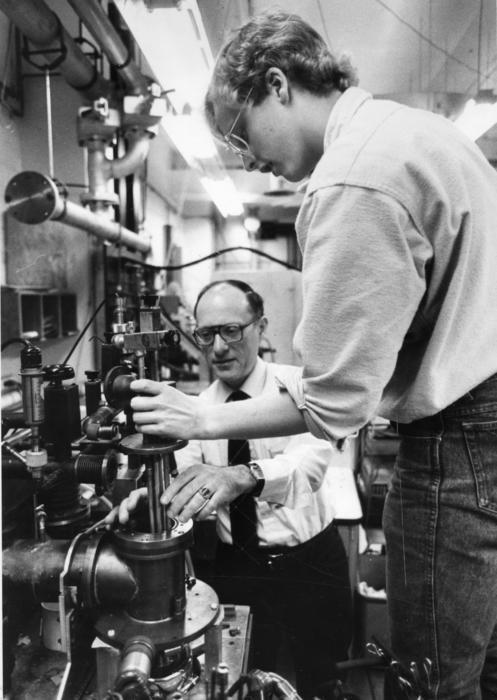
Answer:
(139, 146)
(33, 198)
(104, 32)
(43, 28)
(109, 231)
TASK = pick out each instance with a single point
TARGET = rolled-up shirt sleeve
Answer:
(364, 267)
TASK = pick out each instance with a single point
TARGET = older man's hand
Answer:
(200, 489)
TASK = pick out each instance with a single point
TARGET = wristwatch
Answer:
(258, 475)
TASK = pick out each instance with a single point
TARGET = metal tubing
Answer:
(33, 198)
(104, 32)
(152, 514)
(110, 231)
(139, 146)
(42, 27)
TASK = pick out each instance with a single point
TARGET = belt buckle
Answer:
(272, 558)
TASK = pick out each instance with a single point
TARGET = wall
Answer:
(53, 255)
(38, 259)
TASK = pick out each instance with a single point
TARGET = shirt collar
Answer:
(254, 383)
(343, 110)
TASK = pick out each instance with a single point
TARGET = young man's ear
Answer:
(277, 84)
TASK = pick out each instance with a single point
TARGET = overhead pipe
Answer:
(43, 29)
(33, 198)
(105, 34)
(138, 136)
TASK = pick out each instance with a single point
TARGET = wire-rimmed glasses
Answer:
(236, 143)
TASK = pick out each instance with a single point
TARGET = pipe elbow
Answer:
(135, 156)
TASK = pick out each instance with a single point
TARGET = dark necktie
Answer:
(242, 510)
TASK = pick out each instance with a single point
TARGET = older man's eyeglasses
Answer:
(229, 332)
(236, 143)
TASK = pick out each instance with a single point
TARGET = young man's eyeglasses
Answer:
(229, 332)
(236, 143)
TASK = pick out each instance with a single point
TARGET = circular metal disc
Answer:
(202, 610)
(135, 444)
(31, 197)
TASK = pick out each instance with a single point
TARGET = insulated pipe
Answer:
(33, 198)
(43, 28)
(138, 148)
(110, 231)
(103, 31)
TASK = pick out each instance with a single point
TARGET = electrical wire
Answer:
(427, 39)
(80, 336)
(216, 254)
(11, 341)
(175, 267)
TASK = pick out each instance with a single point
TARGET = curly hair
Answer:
(274, 39)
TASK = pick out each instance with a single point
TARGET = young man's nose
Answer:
(249, 162)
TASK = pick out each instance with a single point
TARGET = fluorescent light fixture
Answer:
(173, 40)
(224, 195)
(478, 116)
(190, 135)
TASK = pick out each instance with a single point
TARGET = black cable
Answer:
(78, 339)
(11, 341)
(178, 267)
(215, 255)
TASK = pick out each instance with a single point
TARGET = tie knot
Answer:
(237, 395)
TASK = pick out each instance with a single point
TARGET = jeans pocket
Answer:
(481, 442)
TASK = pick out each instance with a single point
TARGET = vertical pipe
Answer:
(48, 97)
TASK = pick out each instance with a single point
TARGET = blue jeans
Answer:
(440, 522)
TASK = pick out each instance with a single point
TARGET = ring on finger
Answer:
(205, 493)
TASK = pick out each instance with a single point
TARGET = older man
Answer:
(279, 550)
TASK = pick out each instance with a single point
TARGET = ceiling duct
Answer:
(105, 34)
(43, 29)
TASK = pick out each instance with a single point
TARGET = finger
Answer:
(146, 386)
(189, 493)
(111, 517)
(143, 417)
(135, 497)
(196, 506)
(177, 484)
(210, 506)
(123, 512)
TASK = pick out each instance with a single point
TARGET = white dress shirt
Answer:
(296, 502)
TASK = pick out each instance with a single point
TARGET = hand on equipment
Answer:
(200, 489)
(128, 505)
(162, 410)
(195, 493)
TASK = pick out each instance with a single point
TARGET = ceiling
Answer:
(418, 51)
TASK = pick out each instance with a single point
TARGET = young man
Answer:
(398, 234)
(279, 550)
